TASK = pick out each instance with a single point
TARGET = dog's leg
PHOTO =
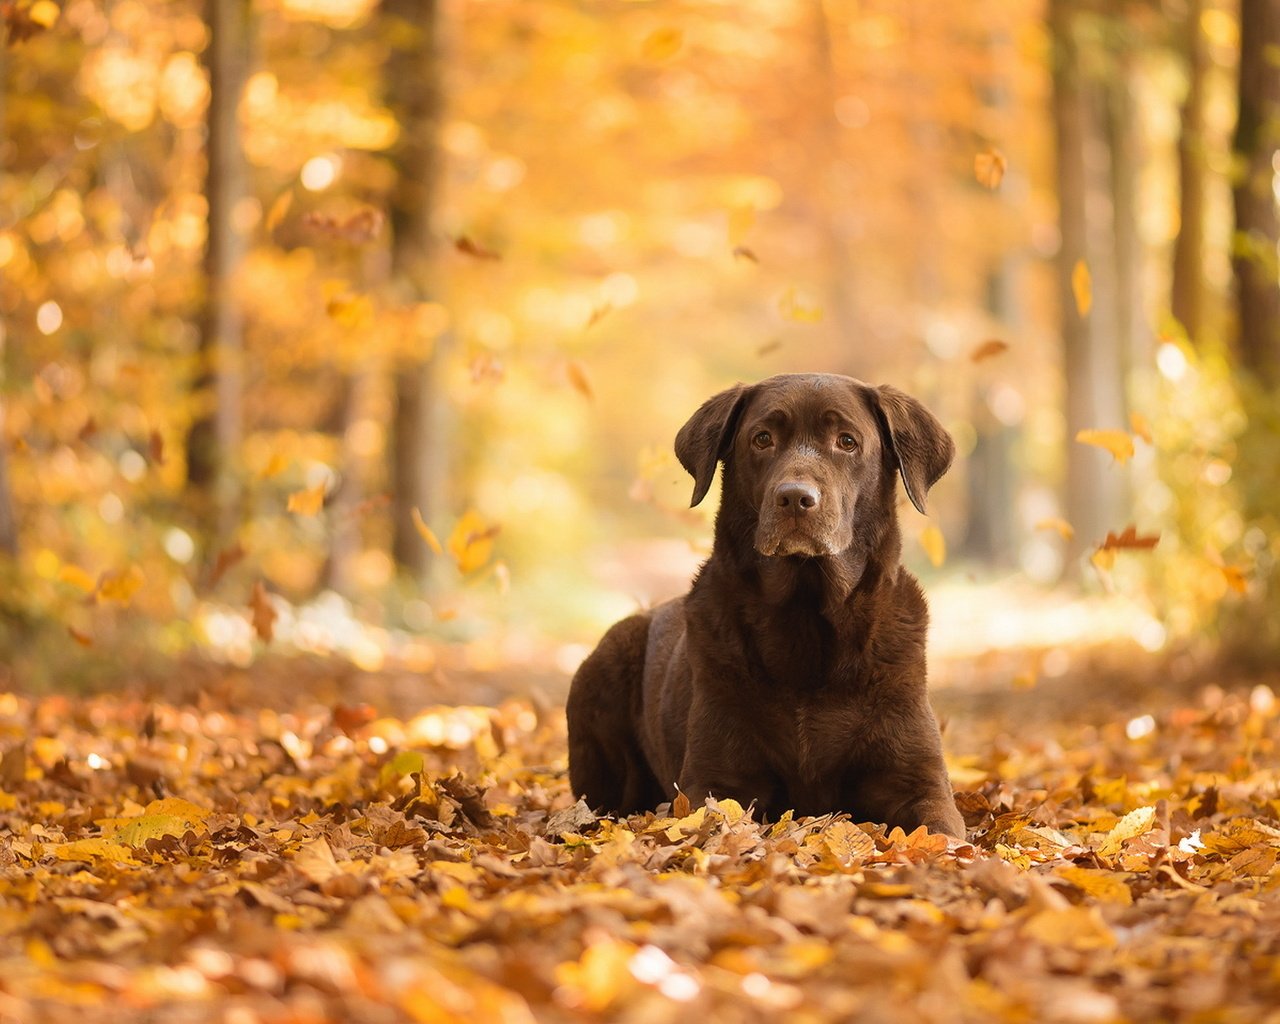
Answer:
(606, 764)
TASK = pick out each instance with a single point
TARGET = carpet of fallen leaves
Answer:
(163, 862)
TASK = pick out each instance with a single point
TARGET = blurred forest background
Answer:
(358, 328)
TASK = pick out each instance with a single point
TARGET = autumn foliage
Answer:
(208, 861)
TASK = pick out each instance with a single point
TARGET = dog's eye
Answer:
(763, 440)
(847, 442)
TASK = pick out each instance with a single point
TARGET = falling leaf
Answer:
(1117, 442)
(989, 167)
(279, 210)
(426, 533)
(350, 310)
(577, 374)
(468, 247)
(1140, 426)
(471, 542)
(1106, 886)
(1082, 287)
(1129, 539)
(795, 306)
(77, 577)
(263, 613)
(155, 448)
(80, 637)
(661, 45)
(1064, 529)
(1103, 559)
(988, 349)
(934, 544)
(274, 466)
(741, 252)
(119, 586)
(1236, 578)
(308, 502)
(225, 560)
(598, 313)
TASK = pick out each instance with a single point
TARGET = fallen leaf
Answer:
(1133, 824)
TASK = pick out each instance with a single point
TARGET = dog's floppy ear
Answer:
(921, 445)
(706, 438)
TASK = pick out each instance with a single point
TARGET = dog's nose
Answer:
(796, 498)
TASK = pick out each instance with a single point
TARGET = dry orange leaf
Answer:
(1117, 442)
(1082, 287)
(577, 374)
(1129, 539)
(263, 614)
(426, 533)
(308, 502)
(989, 167)
(988, 349)
(1064, 528)
(469, 247)
(1140, 426)
(80, 637)
(77, 577)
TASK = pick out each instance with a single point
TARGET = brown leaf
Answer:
(468, 247)
(226, 559)
(155, 448)
(741, 252)
(577, 374)
(1129, 540)
(263, 613)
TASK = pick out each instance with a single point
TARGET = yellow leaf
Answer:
(1102, 885)
(1135, 823)
(1235, 577)
(601, 976)
(989, 168)
(308, 502)
(1140, 426)
(120, 586)
(661, 45)
(848, 843)
(279, 208)
(471, 542)
(274, 466)
(1117, 442)
(934, 544)
(1082, 287)
(350, 310)
(1104, 559)
(44, 13)
(426, 533)
(77, 577)
(92, 850)
(800, 308)
(1064, 528)
(1079, 928)
(741, 219)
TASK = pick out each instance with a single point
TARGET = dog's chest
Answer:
(824, 741)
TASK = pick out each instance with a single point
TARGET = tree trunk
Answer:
(1132, 338)
(8, 522)
(214, 440)
(419, 466)
(1188, 286)
(1257, 230)
(1093, 486)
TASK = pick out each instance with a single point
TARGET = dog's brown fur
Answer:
(792, 675)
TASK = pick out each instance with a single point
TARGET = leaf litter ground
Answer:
(219, 861)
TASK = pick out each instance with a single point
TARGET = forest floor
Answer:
(300, 843)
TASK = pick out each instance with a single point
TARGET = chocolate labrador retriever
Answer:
(792, 674)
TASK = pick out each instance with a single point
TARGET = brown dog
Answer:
(793, 673)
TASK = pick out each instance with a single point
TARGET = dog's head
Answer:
(813, 457)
